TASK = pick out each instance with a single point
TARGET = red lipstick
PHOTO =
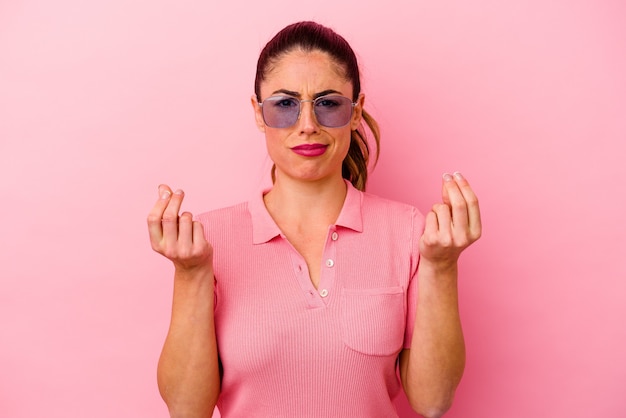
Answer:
(310, 150)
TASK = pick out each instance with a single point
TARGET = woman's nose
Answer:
(307, 121)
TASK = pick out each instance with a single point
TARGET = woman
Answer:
(313, 297)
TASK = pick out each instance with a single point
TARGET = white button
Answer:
(330, 263)
(324, 293)
(334, 236)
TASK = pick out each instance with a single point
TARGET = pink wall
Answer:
(102, 101)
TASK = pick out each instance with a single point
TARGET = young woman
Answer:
(314, 298)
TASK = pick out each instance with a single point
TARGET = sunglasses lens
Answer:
(283, 111)
(333, 111)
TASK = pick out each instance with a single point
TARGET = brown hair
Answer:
(311, 36)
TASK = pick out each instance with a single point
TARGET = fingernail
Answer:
(179, 192)
(458, 175)
(165, 194)
(447, 177)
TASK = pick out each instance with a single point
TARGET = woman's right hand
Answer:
(179, 238)
(188, 374)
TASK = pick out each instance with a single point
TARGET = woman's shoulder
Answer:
(385, 206)
(226, 226)
(224, 215)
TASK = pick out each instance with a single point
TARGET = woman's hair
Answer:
(311, 36)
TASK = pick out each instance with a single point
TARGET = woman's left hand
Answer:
(451, 226)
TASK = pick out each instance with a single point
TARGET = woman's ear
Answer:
(357, 114)
(258, 113)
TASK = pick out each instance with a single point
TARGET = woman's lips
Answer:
(310, 150)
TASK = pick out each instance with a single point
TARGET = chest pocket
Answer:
(372, 321)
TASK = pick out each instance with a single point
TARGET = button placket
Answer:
(301, 271)
(327, 278)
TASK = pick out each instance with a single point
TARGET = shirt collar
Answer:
(351, 215)
(264, 228)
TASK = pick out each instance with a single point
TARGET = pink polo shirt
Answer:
(291, 350)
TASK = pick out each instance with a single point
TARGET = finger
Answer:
(456, 203)
(444, 189)
(185, 229)
(444, 222)
(198, 233)
(473, 208)
(170, 216)
(156, 214)
(431, 229)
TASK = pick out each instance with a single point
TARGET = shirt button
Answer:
(330, 263)
(324, 293)
(334, 236)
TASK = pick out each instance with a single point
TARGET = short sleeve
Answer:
(412, 289)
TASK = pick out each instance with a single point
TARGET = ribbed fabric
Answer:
(290, 350)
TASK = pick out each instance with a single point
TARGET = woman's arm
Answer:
(431, 370)
(188, 371)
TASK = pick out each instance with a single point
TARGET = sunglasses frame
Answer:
(277, 98)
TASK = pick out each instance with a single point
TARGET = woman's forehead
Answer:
(297, 70)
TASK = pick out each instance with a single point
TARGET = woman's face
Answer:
(307, 150)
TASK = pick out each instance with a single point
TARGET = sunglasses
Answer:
(284, 111)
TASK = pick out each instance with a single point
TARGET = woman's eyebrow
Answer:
(325, 92)
(298, 95)
(287, 92)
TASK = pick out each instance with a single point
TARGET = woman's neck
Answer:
(300, 202)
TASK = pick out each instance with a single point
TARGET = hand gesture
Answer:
(179, 238)
(453, 225)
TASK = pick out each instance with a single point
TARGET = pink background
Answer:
(102, 101)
